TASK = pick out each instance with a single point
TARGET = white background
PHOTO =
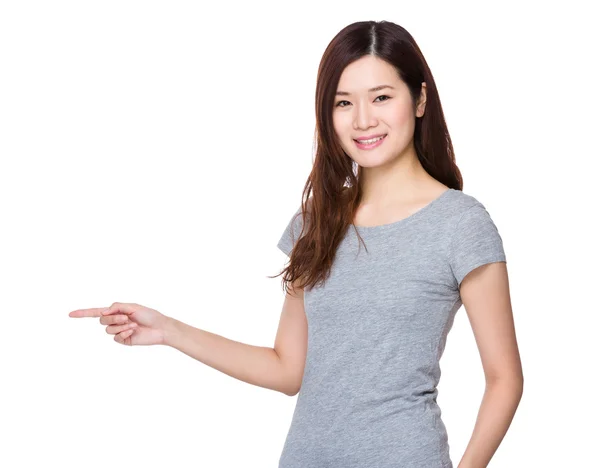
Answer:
(153, 152)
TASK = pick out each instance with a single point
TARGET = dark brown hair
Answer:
(333, 180)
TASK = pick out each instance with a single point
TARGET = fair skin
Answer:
(394, 183)
(278, 368)
(395, 186)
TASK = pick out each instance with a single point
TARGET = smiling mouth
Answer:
(369, 146)
(371, 141)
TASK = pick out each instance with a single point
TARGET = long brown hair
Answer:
(334, 180)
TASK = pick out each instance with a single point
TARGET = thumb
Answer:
(120, 307)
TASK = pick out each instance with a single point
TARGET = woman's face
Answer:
(362, 113)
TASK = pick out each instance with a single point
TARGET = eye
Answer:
(383, 95)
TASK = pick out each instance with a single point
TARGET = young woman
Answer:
(362, 331)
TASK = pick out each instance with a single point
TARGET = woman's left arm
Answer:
(486, 297)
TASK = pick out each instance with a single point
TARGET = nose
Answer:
(364, 117)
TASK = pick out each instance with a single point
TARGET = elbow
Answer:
(290, 381)
(291, 391)
(514, 382)
(291, 386)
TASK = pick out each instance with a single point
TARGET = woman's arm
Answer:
(280, 368)
(256, 365)
(486, 297)
(500, 401)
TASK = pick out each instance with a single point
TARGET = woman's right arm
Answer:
(279, 368)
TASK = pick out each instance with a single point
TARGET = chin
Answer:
(372, 162)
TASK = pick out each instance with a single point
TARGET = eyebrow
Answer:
(376, 88)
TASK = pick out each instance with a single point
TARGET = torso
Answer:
(377, 328)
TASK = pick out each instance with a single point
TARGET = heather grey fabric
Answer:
(376, 332)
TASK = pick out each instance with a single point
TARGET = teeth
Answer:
(372, 140)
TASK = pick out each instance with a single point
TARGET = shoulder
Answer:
(462, 201)
(465, 215)
(473, 237)
(458, 204)
(469, 218)
(297, 221)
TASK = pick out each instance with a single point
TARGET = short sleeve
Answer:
(291, 233)
(474, 242)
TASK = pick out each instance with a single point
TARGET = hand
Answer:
(132, 324)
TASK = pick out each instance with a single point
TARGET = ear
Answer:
(422, 100)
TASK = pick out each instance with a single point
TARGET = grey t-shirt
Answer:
(377, 329)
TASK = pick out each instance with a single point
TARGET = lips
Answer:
(369, 137)
(370, 146)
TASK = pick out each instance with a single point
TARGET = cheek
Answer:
(399, 117)
(339, 125)
(342, 130)
(403, 127)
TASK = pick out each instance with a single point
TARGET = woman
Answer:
(362, 331)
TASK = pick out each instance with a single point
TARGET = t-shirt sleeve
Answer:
(291, 232)
(475, 241)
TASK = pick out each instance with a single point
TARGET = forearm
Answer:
(256, 365)
(496, 412)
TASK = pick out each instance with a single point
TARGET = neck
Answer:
(401, 180)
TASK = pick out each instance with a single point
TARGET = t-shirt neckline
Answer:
(417, 214)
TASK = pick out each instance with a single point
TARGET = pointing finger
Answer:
(95, 312)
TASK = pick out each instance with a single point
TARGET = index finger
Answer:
(94, 312)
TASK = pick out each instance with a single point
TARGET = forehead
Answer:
(368, 72)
